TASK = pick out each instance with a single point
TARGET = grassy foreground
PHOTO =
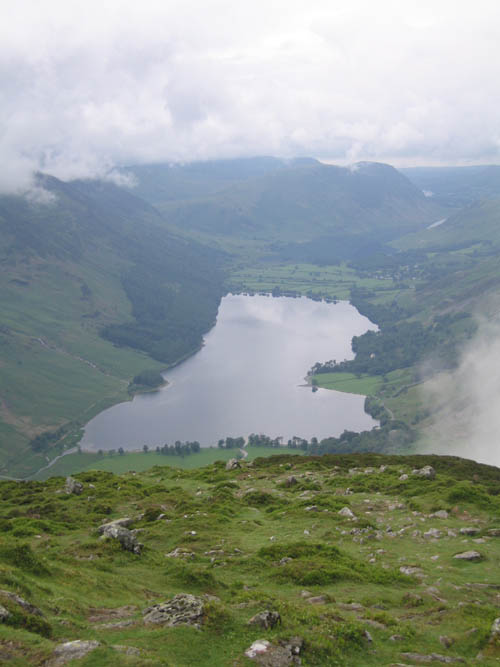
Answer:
(370, 589)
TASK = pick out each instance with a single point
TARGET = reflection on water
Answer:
(248, 378)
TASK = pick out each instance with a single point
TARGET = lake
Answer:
(247, 378)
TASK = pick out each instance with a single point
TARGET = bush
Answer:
(23, 557)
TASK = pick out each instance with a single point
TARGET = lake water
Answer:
(247, 378)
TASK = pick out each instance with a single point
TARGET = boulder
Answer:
(4, 613)
(233, 464)
(291, 481)
(427, 472)
(468, 555)
(433, 532)
(72, 486)
(124, 522)
(27, 606)
(265, 619)
(403, 477)
(183, 609)
(127, 538)
(74, 650)
(495, 630)
(283, 654)
(346, 512)
(469, 530)
(440, 514)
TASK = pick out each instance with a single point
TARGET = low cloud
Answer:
(466, 402)
(88, 86)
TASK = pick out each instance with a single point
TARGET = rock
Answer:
(469, 530)
(345, 511)
(374, 624)
(410, 571)
(233, 464)
(125, 537)
(495, 630)
(317, 599)
(117, 625)
(72, 486)
(291, 481)
(283, 654)
(445, 641)
(183, 609)
(468, 555)
(127, 650)
(427, 472)
(396, 638)
(433, 532)
(440, 514)
(403, 477)
(180, 553)
(4, 613)
(305, 594)
(27, 606)
(350, 606)
(493, 532)
(367, 636)
(265, 619)
(125, 522)
(285, 560)
(312, 508)
(74, 650)
(433, 657)
(383, 468)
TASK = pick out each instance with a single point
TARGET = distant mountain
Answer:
(456, 186)
(275, 200)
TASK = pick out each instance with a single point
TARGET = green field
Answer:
(333, 282)
(349, 383)
(139, 461)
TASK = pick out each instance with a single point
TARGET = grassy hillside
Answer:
(356, 559)
(294, 201)
(92, 286)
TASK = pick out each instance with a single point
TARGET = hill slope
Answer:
(94, 263)
(342, 560)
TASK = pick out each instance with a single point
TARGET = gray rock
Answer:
(283, 654)
(350, 606)
(180, 553)
(396, 638)
(183, 609)
(495, 630)
(403, 477)
(27, 606)
(410, 571)
(427, 472)
(265, 619)
(433, 657)
(469, 530)
(127, 650)
(4, 613)
(72, 486)
(433, 532)
(74, 650)
(233, 464)
(125, 522)
(367, 636)
(312, 508)
(345, 511)
(468, 555)
(493, 532)
(285, 560)
(440, 514)
(117, 625)
(291, 481)
(125, 537)
(317, 599)
(445, 641)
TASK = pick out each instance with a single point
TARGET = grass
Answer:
(350, 383)
(140, 461)
(239, 525)
(334, 282)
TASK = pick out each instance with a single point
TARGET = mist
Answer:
(465, 403)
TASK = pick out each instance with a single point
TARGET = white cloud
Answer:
(87, 85)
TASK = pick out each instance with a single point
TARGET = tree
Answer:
(121, 451)
(145, 449)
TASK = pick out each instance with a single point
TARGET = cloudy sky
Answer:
(89, 85)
